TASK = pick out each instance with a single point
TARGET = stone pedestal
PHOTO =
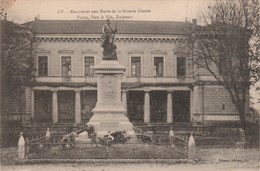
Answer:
(109, 113)
(83, 140)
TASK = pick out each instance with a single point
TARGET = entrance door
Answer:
(42, 106)
(66, 105)
(135, 106)
(158, 101)
(181, 106)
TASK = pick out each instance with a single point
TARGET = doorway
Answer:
(181, 106)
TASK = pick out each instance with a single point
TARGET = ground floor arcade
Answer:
(147, 106)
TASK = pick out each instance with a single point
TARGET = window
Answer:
(89, 62)
(227, 63)
(135, 66)
(66, 66)
(42, 66)
(158, 66)
(181, 66)
(223, 107)
(223, 65)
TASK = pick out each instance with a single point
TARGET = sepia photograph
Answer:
(113, 85)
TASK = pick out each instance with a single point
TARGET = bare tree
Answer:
(227, 46)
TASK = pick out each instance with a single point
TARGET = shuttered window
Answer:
(42, 66)
(136, 66)
(89, 62)
(181, 66)
(66, 66)
(158, 66)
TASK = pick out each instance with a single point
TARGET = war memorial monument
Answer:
(109, 113)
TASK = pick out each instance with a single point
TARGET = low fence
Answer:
(52, 148)
(56, 151)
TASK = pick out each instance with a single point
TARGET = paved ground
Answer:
(125, 167)
(239, 159)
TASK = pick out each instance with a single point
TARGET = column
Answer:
(146, 106)
(54, 106)
(118, 88)
(32, 104)
(124, 99)
(99, 95)
(77, 107)
(191, 105)
(169, 107)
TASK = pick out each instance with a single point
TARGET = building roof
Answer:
(95, 26)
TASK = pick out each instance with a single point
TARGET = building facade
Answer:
(159, 86)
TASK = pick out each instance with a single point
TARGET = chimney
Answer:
(5, 17)
(37, 18)
(194, 21)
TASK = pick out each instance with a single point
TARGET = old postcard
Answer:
(109, 84)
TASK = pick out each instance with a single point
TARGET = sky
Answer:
(22, 11)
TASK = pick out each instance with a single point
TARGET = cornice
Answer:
(158, 51)
(89, 52)
(135, 51)
(119, 38)
(41, 50)
(67, 51)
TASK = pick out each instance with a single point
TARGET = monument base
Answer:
(109, 113)
(83, 140)
(108, 118)
(103, 125)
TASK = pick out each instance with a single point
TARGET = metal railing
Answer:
(116, 151)
(40, 147)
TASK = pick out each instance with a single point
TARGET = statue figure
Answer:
(107, 41)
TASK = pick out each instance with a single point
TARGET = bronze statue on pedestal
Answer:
(107, 41)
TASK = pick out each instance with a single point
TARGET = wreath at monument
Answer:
(69, 139)
(114, 137)
(142, 135)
